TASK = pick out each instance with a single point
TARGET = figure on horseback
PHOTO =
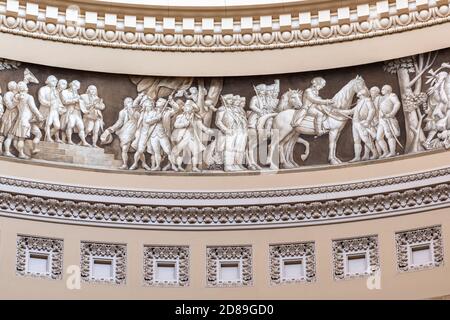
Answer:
(315, 116)
(313, 105)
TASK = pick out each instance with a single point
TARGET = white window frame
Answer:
(366, 254)
(301, 260)
(420, 244)
(155, 272)
(92, 258)
(48, 254)
(229, 261)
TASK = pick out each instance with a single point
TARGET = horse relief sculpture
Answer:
(201, 124)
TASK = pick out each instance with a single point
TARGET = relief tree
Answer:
(409, 71)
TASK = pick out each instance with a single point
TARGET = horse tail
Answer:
(263, 119)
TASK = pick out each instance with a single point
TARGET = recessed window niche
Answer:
(38, 263)
(355, 257)
(166, 271)
(102, 269)
(229, 266)
(419, 248)
(356, 263)
(39, 257)
(166, 266)
(103, 262)
(292, 262)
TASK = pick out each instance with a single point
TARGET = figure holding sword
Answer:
(388, 125)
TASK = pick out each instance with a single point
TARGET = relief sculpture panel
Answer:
(253, 123)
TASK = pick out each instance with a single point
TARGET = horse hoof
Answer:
(273, 167)
(335, 161)
(303, 157)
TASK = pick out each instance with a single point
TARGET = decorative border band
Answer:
(219, 34)
(8, 184)
(207, 217)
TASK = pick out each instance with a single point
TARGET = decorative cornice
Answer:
(327, 210)
(36, 187)
(211, 34)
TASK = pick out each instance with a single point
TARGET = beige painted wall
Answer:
(319, 176)
(412, 285)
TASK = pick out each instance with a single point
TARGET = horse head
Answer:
(295, 98)
(344, 97)
(359, 84)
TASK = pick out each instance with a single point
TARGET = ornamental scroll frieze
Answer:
(362, 207)
(303, 252)
(236, 124)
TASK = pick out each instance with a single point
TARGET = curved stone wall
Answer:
(302, 144)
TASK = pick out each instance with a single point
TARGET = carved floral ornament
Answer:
(241, 256)
(51, 249)
(366, 247)
(430, 237)
(66, 24)
(114, 254)
(178, 256)
(300, 213)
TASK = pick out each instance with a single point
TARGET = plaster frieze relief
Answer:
(189, 125)
(207, 34)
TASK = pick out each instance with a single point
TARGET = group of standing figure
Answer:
(164, 127)
(61, 112)
(374, 121)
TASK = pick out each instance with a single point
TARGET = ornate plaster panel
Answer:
(177, 255)
(241, 255)
(301, 252)
(366, 246)
(51, 249)
(114, 254)
(406, 240)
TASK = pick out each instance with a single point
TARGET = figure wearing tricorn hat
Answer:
(262, 106)
(228, 123)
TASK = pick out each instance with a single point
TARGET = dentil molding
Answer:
(68, 23)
